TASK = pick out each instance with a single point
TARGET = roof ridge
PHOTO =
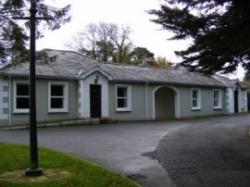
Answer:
(132, 65)
(63, 50)
(223, 77)
(103, 62)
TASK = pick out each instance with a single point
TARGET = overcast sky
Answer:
(130, 13)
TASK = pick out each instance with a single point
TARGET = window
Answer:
(123, 98)
(21, 97)
(58, 101)
(196, 99)
(217, 99)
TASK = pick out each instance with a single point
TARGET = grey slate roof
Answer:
(69, 64)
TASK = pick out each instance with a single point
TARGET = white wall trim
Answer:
(177, 100)
(244, 100)
(96, 70)
(239, 99)
(65, 97)
(230, 100)
(10, 100)
(3, 94)
(85, 94)
(80, 98)
(146, 100)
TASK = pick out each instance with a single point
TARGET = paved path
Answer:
(210, 153)
(121, 147)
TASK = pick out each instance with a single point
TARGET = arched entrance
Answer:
(166, 103)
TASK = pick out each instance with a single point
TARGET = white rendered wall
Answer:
(84, 94)
(240, 102)
(230, 100)
(244, 105)
(80, 98)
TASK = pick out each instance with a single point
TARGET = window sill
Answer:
(21, 111)
(123, 110)
(57, 111)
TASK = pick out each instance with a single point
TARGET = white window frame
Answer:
(65, 97)
(129, 98)
(219, 99)
(15, 109)
(198, 107)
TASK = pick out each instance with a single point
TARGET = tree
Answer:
(247, 76)
(122, 55)
(246, 80)
(220, 30)
(122, 45)
(103, 42)
(162, 62)
(14, 35)
(141, 55)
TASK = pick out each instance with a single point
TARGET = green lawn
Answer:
(82, 173)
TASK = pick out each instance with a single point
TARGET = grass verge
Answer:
(82, 173)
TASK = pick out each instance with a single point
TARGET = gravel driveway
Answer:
(212, 153)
